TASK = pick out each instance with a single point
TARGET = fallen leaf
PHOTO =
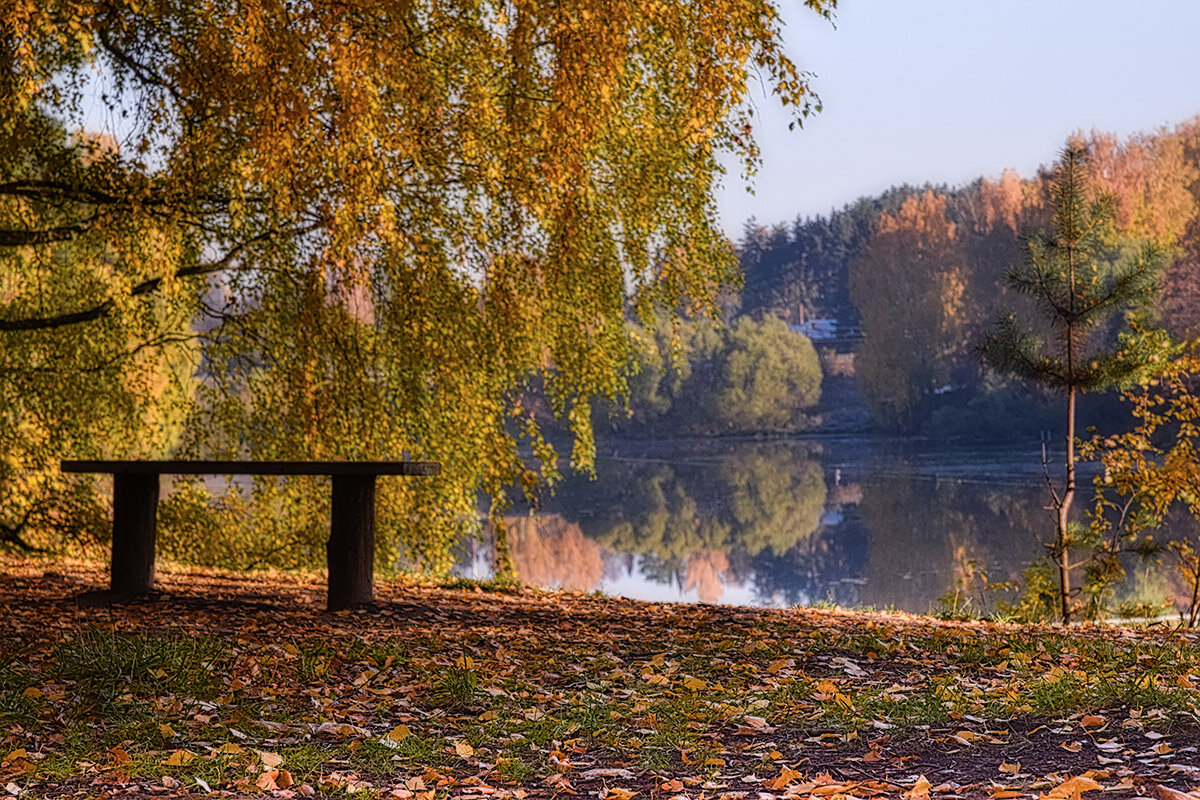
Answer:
(606, 772)
(920, 789)
(340, 729)
(785, 777)
(178, 758)
(1073, 787)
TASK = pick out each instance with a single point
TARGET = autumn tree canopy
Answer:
(915, 326)
(390, 218)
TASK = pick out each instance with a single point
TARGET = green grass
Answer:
(514, 769)
(498, 585)
(110, 665)
(316, 662)
(455, 688)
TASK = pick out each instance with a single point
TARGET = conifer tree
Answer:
(1078, 279)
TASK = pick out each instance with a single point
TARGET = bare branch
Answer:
(102, 310)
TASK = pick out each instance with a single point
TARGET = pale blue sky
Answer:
(947, 90)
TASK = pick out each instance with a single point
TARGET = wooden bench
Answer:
(350, 552)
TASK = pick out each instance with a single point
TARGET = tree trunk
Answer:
(1064, 509)
(350, 552)
(135, 507)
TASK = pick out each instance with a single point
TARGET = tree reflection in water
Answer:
(784, 523)
(696, 518)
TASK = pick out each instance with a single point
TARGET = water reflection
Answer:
(786, 523)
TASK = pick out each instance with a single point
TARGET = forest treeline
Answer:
(922, 271)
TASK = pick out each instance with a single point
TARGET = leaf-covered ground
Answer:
(243, 686)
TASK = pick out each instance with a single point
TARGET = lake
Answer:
(875, 523)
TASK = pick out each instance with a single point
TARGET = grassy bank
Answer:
(243, 685)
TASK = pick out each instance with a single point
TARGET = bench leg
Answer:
(351, 549)
(135, 508)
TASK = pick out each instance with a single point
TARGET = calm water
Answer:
(854, 522)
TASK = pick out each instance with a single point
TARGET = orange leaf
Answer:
(920, 789)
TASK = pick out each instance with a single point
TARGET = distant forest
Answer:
(921, 270)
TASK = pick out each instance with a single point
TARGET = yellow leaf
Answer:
(32, 693)
(270, 759)
(179, 758)
(231, 749)
(166, 731)
(463, 749)
(695, 684)
(398, 733)
(615, 793)
(1010, 769)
